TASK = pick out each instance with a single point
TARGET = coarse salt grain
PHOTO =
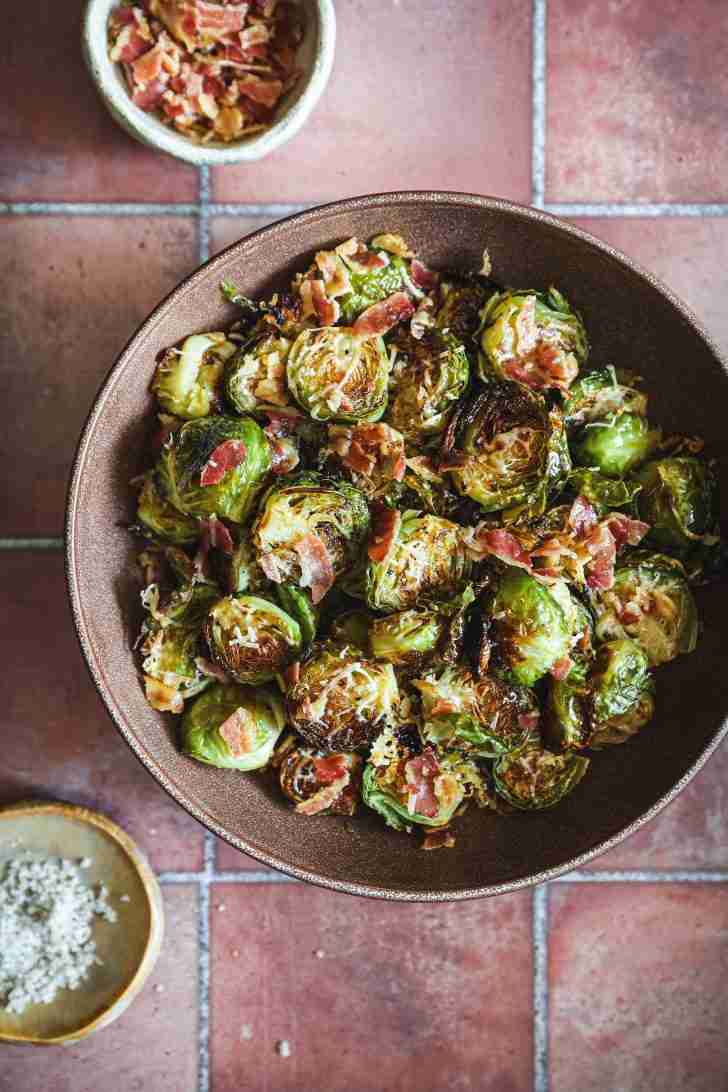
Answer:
(283, 1048)
(46, 918)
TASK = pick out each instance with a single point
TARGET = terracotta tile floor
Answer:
(615, 116)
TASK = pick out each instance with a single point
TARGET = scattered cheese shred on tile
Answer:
(46, 920)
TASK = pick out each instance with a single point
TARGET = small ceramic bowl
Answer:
(315, 56)
(128, 949)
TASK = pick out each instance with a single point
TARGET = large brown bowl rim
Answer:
(370, 201)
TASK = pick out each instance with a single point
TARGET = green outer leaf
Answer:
(530, 627)
(615, 448)
(371, 287)
(618, 678)
(297, 602)
(605, 494)
(678, 500)
(201, 721)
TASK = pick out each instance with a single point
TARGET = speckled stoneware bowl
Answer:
(633, 321)
(315, 57)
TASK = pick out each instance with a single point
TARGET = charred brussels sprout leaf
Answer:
(255, 377)
(342, 699)
(479, 716)
(677, 499)
(234, 727)
(410, 638)
(335, 375)
(157, 515)
(652, 604)
(251, 638)
(530, 627)
(352, 628)
(425, 558)
(188, 381)
(194, 451)
(615, 448)
(297, 602)
(424, 788)
(510, 451)
(532, 778)
(170, 641)
(428, 376)
(532, 337)
(310, 511)
(459, 312)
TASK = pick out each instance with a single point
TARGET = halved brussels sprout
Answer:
(510, 451)
(310, 530)
(532, 778)
(244, 572)
(532, 337)
(188, 381)
(459, 311)
(170, 644)
(600, 396)
(297, 602)
(428, 376)
(410, 638)
(425, 557)
(652, 604)
(156, 514)
(215, 466)
(615, 448)
(371, 456)
(678, 500)
(530, 627)
(251, 638)
(234, 727)
(408, 786)
(610, 704)
(481, 716)
(255, 377)
(605, 494)
(315, 782)
(342, 699)
(335, 375)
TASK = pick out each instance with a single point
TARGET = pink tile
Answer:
(638, 1000)
(369, 995)
(57, 141)
(226, 230)
(229, 859)
(74, 291)
(151, 1048)
(637, 101)
(435, 96)
(687, 253)
(58, 740)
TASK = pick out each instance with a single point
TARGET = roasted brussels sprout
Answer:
(532, 778)
(428, 376)
(599, 395)
(215, 466)
(605, 494)
(188, 381)
(157, 515)
(532, 337)
(652, 604)
(170, 641)
(255, 377)
(422, 556)
(373, 274)
(410, 638)
(310, 530)
(321, 784)
(459, 311)
(609, 705)
(615, 448)
(678, 499)
(479, 716)
(335, 375)
(234, 727)
(506, 450)
(251, 638)
(342, 700)
(418, 786)
(531, 628)
(244, 572)
(371, 456)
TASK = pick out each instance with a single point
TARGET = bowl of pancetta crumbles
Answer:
(210, 82)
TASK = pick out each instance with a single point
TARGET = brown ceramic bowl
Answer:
(633, 321)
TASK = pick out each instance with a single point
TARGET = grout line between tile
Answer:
(645, 876)
(204, 879)
(96, 208)
(630, 211)
(275, 212)
(31, 543)
(540, 934)
(538, 113)
(203, 986)
(204, 214)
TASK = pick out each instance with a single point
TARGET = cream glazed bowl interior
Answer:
(315, 57)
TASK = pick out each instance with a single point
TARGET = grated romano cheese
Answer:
(46, 918)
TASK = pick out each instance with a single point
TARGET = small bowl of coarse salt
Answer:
(210, 81)
(81, 922)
